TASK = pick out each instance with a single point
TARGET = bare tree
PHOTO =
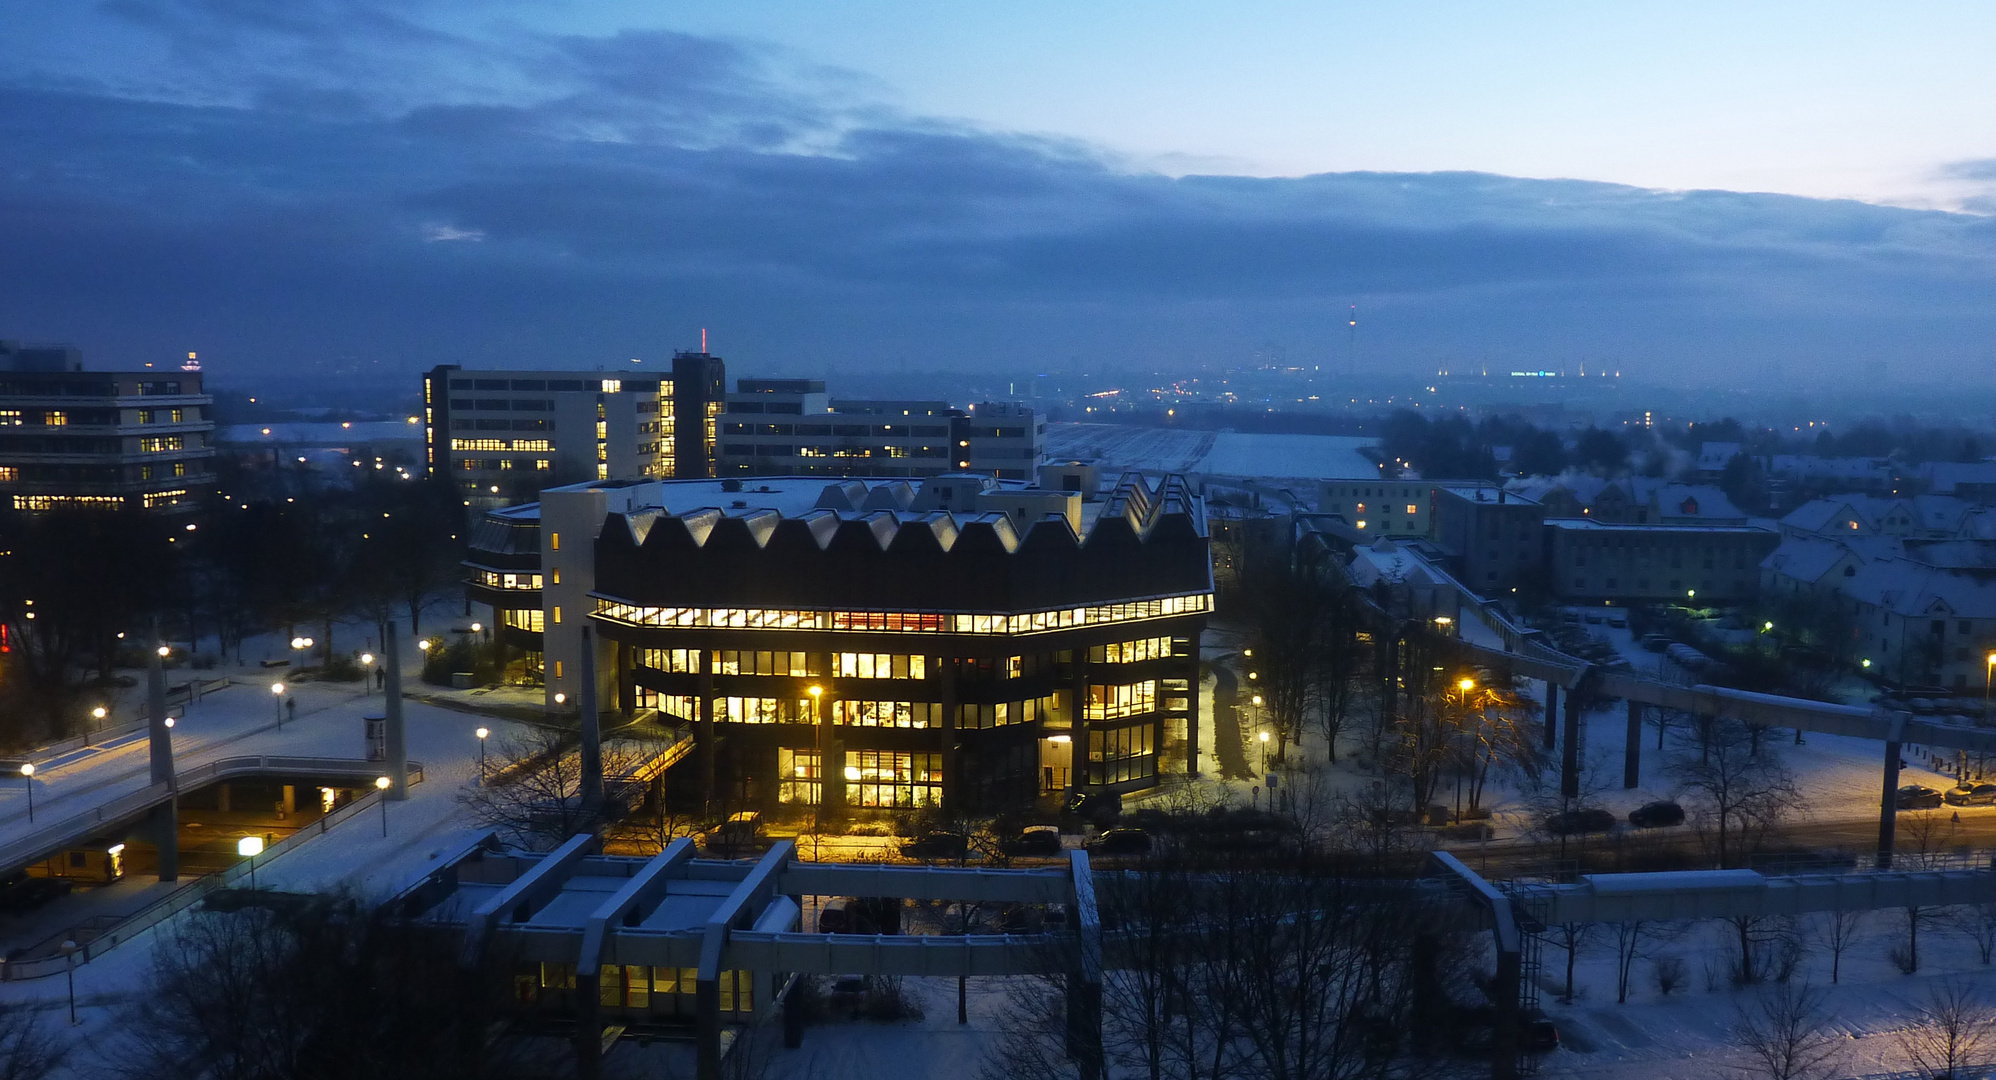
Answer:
(1742, 786)
(534, 792)
(1977, 922)
(28, 1051)
(1841, 930)
(1571, 938)
(325, 992)
(1786, 1033)
(1950, 1031)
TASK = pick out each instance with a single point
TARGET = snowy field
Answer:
(1213, 453)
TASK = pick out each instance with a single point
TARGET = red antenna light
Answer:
(703, 339)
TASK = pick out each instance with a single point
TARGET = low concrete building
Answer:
(1599, 561)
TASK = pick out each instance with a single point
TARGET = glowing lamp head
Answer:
(249, 847)
(423, 645)
(1466, 685)
(1256, 699)
(477, 628)
(483, 732)
(169, 722)
(561, 699)
(164, 652)
(277, 688)
(815, 691)
(100, 712)
(1264, 736)
(1865, 662)
(381, 783)
(366, 658)
(27, 768)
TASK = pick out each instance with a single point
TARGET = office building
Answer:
(1390, 508)
(1711, 564)
(503, 436)
(869, 643)
(1495, 538)
(71, 437)
(790, 427)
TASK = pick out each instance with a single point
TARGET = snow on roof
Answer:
(1811, 467)
(1388, 561)
(1693, 500)
(1914, 590)
(1943, 476)
(1713, 456)
(1805, 558)
(1668, 880)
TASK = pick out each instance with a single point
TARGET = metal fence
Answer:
(79, 827)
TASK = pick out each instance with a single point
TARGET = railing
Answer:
(172, 904)
(79, 827)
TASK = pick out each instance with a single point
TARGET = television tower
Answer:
(1351, 343)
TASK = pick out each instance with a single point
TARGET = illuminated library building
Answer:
(959, 640)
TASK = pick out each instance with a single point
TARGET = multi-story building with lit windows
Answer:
(789, 427)
(503, 436)
(857, 644)
(70, 437)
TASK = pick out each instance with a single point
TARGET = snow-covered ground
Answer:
(1213, 453)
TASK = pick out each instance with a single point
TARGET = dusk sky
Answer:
(1685, 190)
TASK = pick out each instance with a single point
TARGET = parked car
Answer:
(1656, 642)
(740, 835)
(1586, 819)
(937, 845)
(1124, 841)
(1035, 840)
(1656, 815)
(1918, 797)
(1594, 618)
(1618, 621)
(1979, 795)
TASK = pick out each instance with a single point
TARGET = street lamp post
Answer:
(28, 774)
(1264, 752)
(366, 674)
(277, 702)
(69, 956)
(100, 713)
(381, 785)
(481, 733)
(1988, 672)
(249, 847)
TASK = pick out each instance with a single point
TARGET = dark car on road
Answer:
(1656, 815)
(1035, 840)
(937, 845)
(1121, 842)
(1979, 795)
(1918, 797)
(1586, 819)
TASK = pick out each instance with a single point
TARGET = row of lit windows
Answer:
(47, 418)
(155, 444)
(1125, 754)
(879, 666)
(523, 619)
(903, 622)
(845, 712)
(527, 445)
(162, 416)
(165, 498)
(1113, 701)
(501, 464)
(52, 502)
(1130, 652)
(162, 471)
(493, 579)
(631, 986)
(873, 778)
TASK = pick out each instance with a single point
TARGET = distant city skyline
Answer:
(880, 187)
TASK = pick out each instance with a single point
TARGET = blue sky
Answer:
(1680, 189)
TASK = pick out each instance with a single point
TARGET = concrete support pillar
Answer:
(703, 731)
(592, 724)
(1888, 807)
(1552, 714)
(1569, 759)
(948, 743)
(396, 737)
(589, 1022)
(1077, 723)
(290, 804)
(1084, 1025)
(1632, 747)
(1504, 991)
(222, 797)
(1192, 708)
(163, 825)
(707, 1029)
(158, 735)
